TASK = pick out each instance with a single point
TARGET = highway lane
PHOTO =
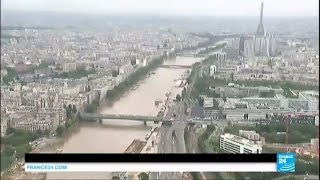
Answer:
(172, 142)
(169, 141)
(163, 131)
(179, 127)
(166, 145)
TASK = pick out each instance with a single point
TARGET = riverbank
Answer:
(141, 73)
(117, 92)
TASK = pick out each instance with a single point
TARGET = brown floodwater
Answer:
(114, 136)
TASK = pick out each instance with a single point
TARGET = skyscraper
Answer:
(261, 31)
(248, 49)
(261, 44)
(246, 46)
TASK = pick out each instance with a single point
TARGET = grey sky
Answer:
(201, 7)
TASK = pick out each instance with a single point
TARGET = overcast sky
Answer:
(183, 7)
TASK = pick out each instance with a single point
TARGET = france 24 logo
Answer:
(286, 162)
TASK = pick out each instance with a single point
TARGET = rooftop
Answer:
(238, 139)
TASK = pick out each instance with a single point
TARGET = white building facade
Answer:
(239, 145)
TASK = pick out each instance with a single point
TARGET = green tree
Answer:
(17, 140)
(96, 103)
(46, 132)
(22, 149)
(184, 93)
(114, 73)
(178, 97)
(224, 98)
(90, 108)
(67, 125)
(211, 128)
(38, 133)
(60, 130)
(270, 63)
(74, 109)
(215, 104)
(10, 130)
(78, 116)
(115, 178)
(232, 76)
(77, 74)
(8, 151)
(68, 111)
(201, 101)
(6, 162)
(143, 176)
(11, 75)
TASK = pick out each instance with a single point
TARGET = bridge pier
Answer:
(145, 123)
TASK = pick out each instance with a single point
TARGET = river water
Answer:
(114, 136)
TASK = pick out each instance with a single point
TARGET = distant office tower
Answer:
(263, 43)
(241, 45)
(272, 46)
(246, 46)
(261, 31)
(261, 46)
(221, 57)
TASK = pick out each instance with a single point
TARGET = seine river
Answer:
(114, 136)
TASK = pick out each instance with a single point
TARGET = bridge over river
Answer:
(176, 66)
(99, 117)
(95, 117)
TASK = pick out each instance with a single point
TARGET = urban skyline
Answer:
(74, 83)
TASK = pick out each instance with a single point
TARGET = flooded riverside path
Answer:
(114, 136)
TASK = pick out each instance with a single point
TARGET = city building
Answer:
(239, 145)
(67, 67)
(221, 58)
(208, 102)
(251, 135)
(262, 44)
(212, 70)
(247, 46)
(312, 97)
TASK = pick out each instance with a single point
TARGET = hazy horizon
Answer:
(150, 14)
(210, 8)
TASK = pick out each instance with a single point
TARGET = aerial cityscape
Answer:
(158, 84)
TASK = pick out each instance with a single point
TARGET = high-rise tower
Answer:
(260, 30)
